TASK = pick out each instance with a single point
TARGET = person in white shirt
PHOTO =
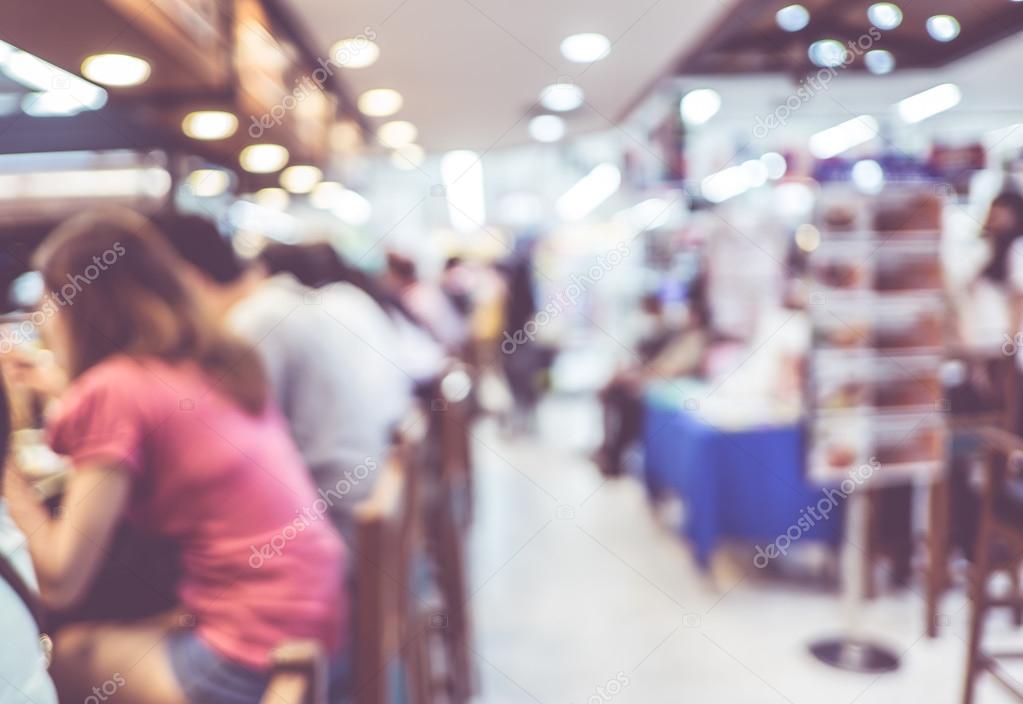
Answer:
(429, 304)
(23, 661)
(989, 310)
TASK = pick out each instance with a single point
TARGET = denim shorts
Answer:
(206, 677)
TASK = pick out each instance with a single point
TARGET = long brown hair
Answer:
(120, 286)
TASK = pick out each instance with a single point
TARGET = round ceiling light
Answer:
(586, 48)
(561, 97)
(263, 158)
(208, 183)
(273, 198)
(868, 176)
(352, 208)
(301, 178)
(827, 53)
(879, 61)
(397, 133)
(408, 157)
(357, 52)
(119, 70)
(547, 128)
(380, 102)
(885, 15)
(325, 194)
(943, 28)
(792, 18)
(698, 106)
(209, 124)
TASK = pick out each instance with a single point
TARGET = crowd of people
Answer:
(224, 416)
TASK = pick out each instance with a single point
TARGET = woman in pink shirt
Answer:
(168, 426)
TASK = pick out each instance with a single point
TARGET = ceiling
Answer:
(749, 40)
(471, 71)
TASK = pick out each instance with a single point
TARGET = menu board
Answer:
(878, 314)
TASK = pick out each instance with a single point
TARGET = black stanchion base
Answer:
(855, 655)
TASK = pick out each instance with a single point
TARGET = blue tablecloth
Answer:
(747, 485)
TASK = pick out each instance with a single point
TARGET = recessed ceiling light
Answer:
(408, 157)
(943, 28)
(207, 183)
(589, 192)
(380, 102)
(919, 107)
(209, 124)
(357, 52)
(586, 48)
(884, 15)
(273, 198)
(879, 61)
(843, 137)
(263, 158)
(300, 178)
(561, 97)
(792, 18)
(827, 53)
(698, 106)
(325, 194)
(547, 128)
(54, 86)
(118, 70)
(51, 103)
(776, 165)
(352, 208)
(397, 133)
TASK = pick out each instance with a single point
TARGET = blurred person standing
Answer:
(989, 311)
(456, 283)
(328, 361)
(167, 424)
(429, 303)
(522, 357)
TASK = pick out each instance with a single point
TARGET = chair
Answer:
(456, 390)
(298, 674)
(450, 518)
(1000, 411)
(1000, 529)
(389, 626)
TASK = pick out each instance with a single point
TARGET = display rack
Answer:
(876, 415)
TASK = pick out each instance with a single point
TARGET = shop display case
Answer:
(878, 316)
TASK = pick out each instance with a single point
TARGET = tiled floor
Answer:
(581, 596)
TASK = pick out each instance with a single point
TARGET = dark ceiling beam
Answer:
(284, 17)
(731, 45)
(98, 130)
